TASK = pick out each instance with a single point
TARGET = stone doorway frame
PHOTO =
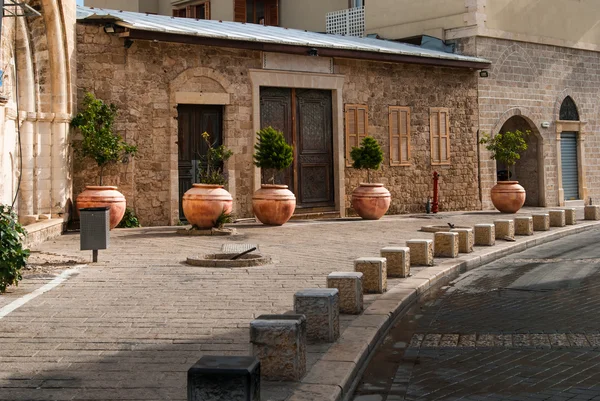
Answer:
(540, 149)
(571, 126)
(290, 79)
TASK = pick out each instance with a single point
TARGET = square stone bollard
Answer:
(557, 218)
(485, 234)
(349, 285)
(570, 216)
(397, 260)
(466, 239)
(321, 306)
(279, 343)
(374, 272)
(591, 212)
(445, 244)
(504, 229)
(224, 378)
(524, 225)
(421, 252)
(541, 222)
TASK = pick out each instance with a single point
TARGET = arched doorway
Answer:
(528, 169)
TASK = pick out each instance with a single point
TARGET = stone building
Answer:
(173, 79)
(545, 77)
(36, 104)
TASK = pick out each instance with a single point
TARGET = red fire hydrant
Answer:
(436, 178)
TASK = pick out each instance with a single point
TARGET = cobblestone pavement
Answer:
(525, 327)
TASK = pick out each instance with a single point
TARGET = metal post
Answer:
(436, 177)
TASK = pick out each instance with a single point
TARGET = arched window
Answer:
(568, 110)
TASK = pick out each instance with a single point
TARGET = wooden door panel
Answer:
(315, 148)
(276, 111)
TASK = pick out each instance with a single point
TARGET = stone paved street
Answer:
(525, 327)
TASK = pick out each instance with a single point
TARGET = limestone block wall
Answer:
(532, 80)
(380, 85)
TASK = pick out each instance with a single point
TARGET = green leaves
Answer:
(368, 155)
(12, 255)
(506, 147)
(99, 142)
(129, 220)
(272, 152)
(212, 170)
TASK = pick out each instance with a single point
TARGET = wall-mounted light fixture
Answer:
(313, 52)
(484, 74)
(109, 28)
(545, 124)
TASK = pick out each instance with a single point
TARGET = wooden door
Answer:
(305, 118)
(314, 150)
(193, 120)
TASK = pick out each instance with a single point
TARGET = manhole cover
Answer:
(225, 260)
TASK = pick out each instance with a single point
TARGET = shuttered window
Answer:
(239, 11)
(399, 120)
(200, 10)
(256, 11)
(357, 123)
(439, 131)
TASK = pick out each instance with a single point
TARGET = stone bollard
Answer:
(321, 306)
(279, 343)
(374, 272)
(445, 244)
(224, 378)
(541, 222)
(592, 212)
(557, 218)
(465, 239)
(349, 285)
(570, 216)
(397, 260)
(485, 234)
(505, 229)
(524, 225)
(421, 252)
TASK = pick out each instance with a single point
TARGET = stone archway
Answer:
(529, 169)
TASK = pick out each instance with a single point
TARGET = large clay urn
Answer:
(273, 204)
(203, 203)
(508, 196)
(104, 196)
(371, 201)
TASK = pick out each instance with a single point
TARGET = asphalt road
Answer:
(525, 327)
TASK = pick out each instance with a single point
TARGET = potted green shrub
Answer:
(13, 256)
(207, 200)
(101, 144)
(273, 204)
(506, 148)
(370, 200)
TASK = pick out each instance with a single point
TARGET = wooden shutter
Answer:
(357, 126)
(272, 12)
(179, 12)
(207, 10)
(399, 120)
(191, 11)
(439, 128)
(239, 10)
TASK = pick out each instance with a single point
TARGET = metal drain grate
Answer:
(238, 248)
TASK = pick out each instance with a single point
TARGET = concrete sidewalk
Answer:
(131, 325)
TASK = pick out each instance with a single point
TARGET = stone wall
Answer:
(380, 85)
(531, 80)
(143, 80)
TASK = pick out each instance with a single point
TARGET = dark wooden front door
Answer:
(193, 120)
(304, 116)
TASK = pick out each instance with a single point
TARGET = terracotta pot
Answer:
(104, 196)
(203, 203)
(508, 196)
(273, 204)
(371, 201)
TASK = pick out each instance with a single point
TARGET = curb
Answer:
(337, 374)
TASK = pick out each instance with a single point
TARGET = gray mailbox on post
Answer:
(95, 229)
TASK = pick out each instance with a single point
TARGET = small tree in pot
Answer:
(370, 201)
(506, 148)
(13, 256)
(273, 204)
(105, 147)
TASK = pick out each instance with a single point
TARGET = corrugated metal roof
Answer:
(262, 34)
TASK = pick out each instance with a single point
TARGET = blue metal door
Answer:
(570, 172)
